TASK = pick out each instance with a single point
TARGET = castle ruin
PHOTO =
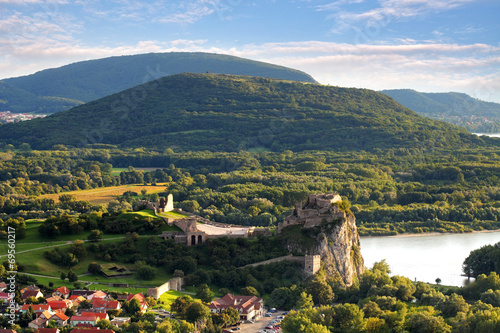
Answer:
(319, 208)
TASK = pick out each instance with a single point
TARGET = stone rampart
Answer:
(175, 283)
(312, 264)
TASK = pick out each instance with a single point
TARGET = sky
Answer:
(426, 45)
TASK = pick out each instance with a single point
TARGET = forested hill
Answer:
(229, 113)
(89, 80)
(456, 108)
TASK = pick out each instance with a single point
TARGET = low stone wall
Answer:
(172, 284)
(312, 264)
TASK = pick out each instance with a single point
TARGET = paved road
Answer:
(259, 324)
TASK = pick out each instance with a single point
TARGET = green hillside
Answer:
(229, 113)
(93, 79)
(454, 108)
(18, 100)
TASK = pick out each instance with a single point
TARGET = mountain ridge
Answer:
(88, 80)
(455, 108)
(220, 112)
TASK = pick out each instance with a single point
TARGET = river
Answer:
(493, 135)
(426, 257)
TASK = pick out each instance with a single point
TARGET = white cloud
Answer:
(386, 12)
(472, 69)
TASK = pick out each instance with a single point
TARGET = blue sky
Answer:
(426, 45)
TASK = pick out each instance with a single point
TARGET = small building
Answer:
(37, 308)
(119, 321)
(60, 318)
(39, 322)
(90, 330)
(6, 330)
(99, 303)
(249, 307)
(31, 293)
(99, 316)
(62, 292)
(86, 320)
(47, 330)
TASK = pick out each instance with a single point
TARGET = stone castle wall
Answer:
(172, 284)
(312, 264)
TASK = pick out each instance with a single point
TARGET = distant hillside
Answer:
(18, 100)
(454, 108)
(230, 113)
(89, 80)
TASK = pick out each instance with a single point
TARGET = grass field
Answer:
(116, 171)
(103, 195)
(174, 215)
(169, 297)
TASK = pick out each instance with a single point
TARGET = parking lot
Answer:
(260, 324)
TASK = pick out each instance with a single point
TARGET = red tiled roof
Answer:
(6, 330)
(84, 318)
(94, 314)
(140, 297)
(30, 293)
(46, 330)
(61, 316)
(63, 290)
(57, 304)
(36, 307)
(90, 330)
(243, 303)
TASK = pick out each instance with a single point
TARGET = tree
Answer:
(146, 272)
(197, 312)
(424, 322)
(249, 291)
(321, 291)
(94, 268)
(63, 276)
(180, 304)
(95, 235)
(438, 281)
(204, 293)
(348, 318)
(72, 277)
(305, 301)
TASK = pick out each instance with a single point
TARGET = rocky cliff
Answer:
(333, 235)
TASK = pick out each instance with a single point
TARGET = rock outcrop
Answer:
(320, 228)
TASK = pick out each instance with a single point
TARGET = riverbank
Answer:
(431, 234)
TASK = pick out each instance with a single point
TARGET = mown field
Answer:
(104, 195)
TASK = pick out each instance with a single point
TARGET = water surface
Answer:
(426, 258)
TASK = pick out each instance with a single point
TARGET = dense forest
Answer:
(392, 191)
(232, 113)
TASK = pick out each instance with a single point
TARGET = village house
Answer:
(119, 321)
(90, 330)
(249, 307)
(60, 305)
(99, 303)
(31, 293)
(6, 330)
(60, 319)
(3, 286)
(5, 297)
(87, 320)
(39, 322)
(100, 316)
(62, 292)
(47, 330)
(142, 300)
(37, 308)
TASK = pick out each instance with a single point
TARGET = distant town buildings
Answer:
(8, 117)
